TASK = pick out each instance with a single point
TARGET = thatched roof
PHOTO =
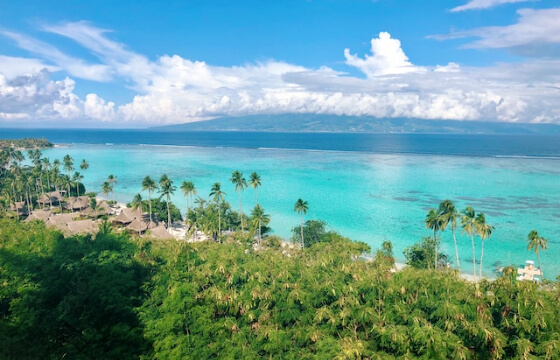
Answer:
(137, 225)
(61, 219)
(82, 227)
(160, 232)
(52, 197)
(79, 203)
(39, 215)
(128, 215)
(20, 207)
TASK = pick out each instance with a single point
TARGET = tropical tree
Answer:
(84, 165)
(536, 243)
(301, 207)
(448, 215)
(47, 167)
(255, 182)
(433, 222)
(106, 188)
(167, 189)
(136, 202)
(218, 196)
(189, 191)
(77, 177)
(259, 218)
(149, 184)
(68, 166)
(240, 183)
(468, 223)
(112, 179)
(484, 231)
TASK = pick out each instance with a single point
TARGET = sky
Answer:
(123, 63)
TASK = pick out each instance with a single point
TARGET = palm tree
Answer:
(255, 182)
(301, 208)
(47, 167)
(240, 183)
(106, 188)
(448, 214)
(483, 230)
(112, 179)
(77, 178)
(468, 223)
(136, 202)
(433, 222)
(149, 184)
(536, 243)
(218, 194)
(167, 189)
(84, 165)
(68, 166)
(259, 218)
(189, 190)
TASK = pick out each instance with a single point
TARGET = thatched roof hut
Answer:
(20, 207)
(77, 203)
(39, 215)
(159, 232)
(60, 221)
(128, 215)
(53, 197)
(81, 227)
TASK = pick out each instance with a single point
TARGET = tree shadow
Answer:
(73, 298)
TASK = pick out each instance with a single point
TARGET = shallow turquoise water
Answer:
(367, 197)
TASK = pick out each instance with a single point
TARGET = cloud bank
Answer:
(485, 4)
(172, 89)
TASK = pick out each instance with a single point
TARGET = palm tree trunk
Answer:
(168, 213)
(150, 203)
(256, 197)
(77, 189)
(219, 220)
(261, 239)
(481, 257)
(302, 243)
(435, 244)
(473, 257)
(539, 262)
(458, 265)
(240, 211)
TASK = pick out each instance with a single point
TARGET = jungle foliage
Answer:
(114, 297)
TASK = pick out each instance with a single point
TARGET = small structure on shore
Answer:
(128, 215)
(20, 207)
(159, 232)
(86, 226)
(50, 198)
(77, 203)
(528, 272)
(41, 214)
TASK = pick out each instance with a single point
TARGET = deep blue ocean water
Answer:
(442, 144)
(369, 187)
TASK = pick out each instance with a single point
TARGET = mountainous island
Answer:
(358, 124)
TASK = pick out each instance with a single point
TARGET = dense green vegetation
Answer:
(113, 297)
(26, 143)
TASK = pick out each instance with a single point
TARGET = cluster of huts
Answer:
(83, 216)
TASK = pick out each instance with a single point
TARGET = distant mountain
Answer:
(365, 124)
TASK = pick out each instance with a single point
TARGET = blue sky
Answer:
(142, 63)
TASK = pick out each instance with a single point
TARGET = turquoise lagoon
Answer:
(365, 196)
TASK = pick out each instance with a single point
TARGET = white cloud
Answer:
(387, 58)
(485, 4)
(535, 30)
(173, 89)
(74, 66)
(13, 66)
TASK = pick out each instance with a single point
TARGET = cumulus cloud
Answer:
(484, 4)
(173, 89)
(387, 58)
(535, 30)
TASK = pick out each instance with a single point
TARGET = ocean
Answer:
(369, 187)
